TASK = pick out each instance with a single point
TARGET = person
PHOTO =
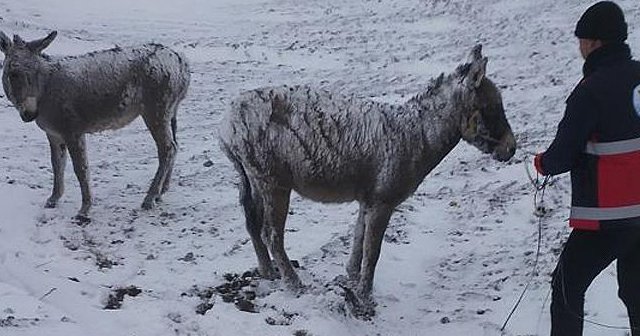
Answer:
(598, 142)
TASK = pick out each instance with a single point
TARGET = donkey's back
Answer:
(110, 88)
(327, 146)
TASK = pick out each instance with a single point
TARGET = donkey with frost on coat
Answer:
(332, 148)
(74, 95)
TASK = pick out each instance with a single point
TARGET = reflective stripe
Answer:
(605, 213)
(614, 147)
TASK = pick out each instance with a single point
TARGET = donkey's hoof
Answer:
(51, 203)
(268, 272)
(363, 308)
(150, 203)
(344, 281)
(82, 219)
(269, 275)
(294, 285)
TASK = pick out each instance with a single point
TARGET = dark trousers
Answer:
(585, 255)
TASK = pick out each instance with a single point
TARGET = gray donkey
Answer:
(74, 95)
(334, 148)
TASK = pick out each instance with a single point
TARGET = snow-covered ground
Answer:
(456, 255)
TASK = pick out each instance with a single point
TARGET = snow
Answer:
(456, 256)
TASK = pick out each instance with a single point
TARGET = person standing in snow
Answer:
(598, 141)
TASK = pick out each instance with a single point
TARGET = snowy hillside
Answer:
(456, 255)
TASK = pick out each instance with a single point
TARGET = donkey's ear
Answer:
(475, 54)
(5, 43)
(17, 40)
(477, 71)
(38, 46)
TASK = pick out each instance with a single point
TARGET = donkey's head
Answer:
(23, 74)
(483, 123)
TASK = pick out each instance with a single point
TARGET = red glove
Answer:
(537, 162)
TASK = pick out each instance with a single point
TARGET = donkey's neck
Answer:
(439, 112)
(47, 67)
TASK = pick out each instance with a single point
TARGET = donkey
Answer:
(334, 148)
(74, 95)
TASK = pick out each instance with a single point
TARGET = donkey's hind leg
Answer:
(174, 126)
(276, 208)
(253, 206)
(167, 148)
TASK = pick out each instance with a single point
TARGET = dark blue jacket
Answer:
(596, 142)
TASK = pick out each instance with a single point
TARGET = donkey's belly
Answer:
(329, 179)
(110, 119)
(327, 193)
(114, 109)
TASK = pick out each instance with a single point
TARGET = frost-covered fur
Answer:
(71, 96)
(333, 148)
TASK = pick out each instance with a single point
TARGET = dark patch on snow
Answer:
(115, 299)
(302, 332)
(237, 289)
(283, 319)
(11, 321)
(103, 262)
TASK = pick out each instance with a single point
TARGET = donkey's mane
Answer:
(463, 68)
(116, 49)
(433, 88)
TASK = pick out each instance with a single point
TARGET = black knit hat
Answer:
(602, 21)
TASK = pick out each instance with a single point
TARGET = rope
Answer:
(540, 211)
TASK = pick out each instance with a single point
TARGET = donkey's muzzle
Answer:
(506, 148)
(29, 109)
(27, 117)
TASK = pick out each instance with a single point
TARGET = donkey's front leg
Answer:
(58, 162)
(78, 153)
(276, 208)
(376, 219)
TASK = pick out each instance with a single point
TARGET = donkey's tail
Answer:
(252, 206)
(185, 82)
(174, 128)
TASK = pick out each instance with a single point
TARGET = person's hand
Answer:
(537, 162)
